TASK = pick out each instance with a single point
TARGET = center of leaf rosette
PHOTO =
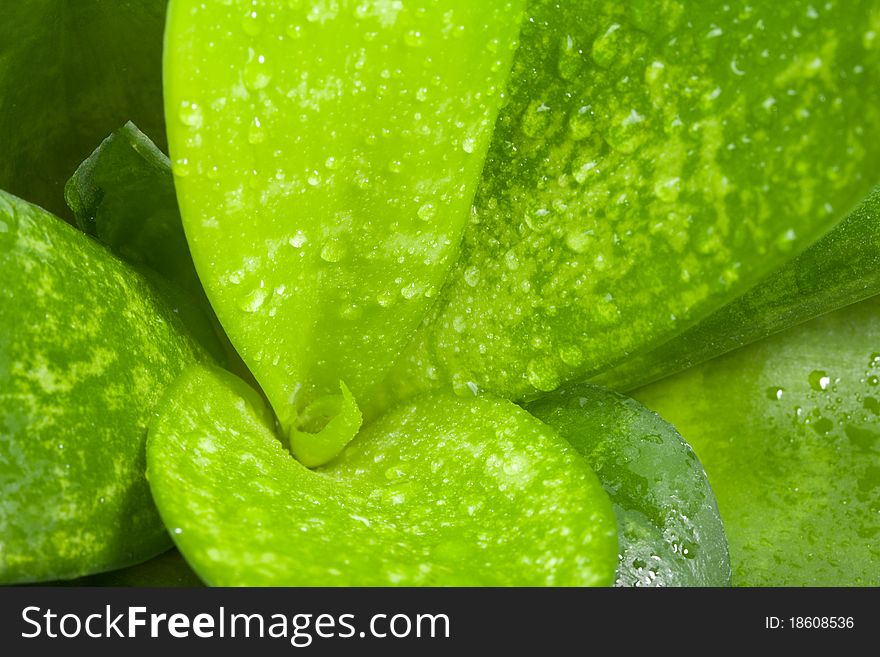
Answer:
(322, 430)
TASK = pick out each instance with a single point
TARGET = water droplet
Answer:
(297, 240)
(254, 300)
(579, 240)
(823, 426)
(572, 355)
(580, 124)
(570, 62)
(413, 39)
(190, 114)
(410, 291)
(396, 472)
(511, 260)
(873, 380)
(463, 386)
(333, 251)
(605, 47)
(628, 133)
(351, 311)
(256, 134)
(874, 361)
(819, 380)
(257, 74)
(181, 167)
(542, 374)
(535, 118)
(394, 166)
(386, 299)
(427, 212)
(421, 94)
(515, 465)
(667, 190)
(472, 276)
(468, 145)
(178, 531)
(330, 163)
(775, 393)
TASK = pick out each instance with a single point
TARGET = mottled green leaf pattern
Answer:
(123, 194)
(87, 349)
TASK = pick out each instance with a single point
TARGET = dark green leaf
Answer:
(70, 73)
(670, 530)
(123, 194)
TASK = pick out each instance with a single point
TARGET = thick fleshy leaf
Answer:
(670, 530)
(167, 570)
(656, 160)
(87, 348)
(440, 491)
(123, 194)
(840, 269)
(325, 156)
(787, 430)
(70, 73)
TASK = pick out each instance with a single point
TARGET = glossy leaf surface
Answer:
(841, 268)
(656, 160)
(325, 156)
(440, 491)
(787, 430)
(670, 530)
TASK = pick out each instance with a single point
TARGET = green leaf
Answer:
(840, 269)
(657, 158)
(166, 570)
(670, 530)
(88, 348)
(70, 73)
(326, 156)
(440, 491)
(123, 194)
(787, 430)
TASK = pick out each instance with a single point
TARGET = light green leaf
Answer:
(670, 530)
(787, 430)
(657, 158)
(326, 156)
(87, 349)
(440, 491)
